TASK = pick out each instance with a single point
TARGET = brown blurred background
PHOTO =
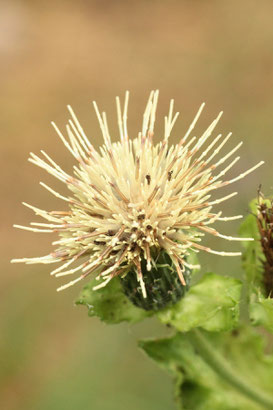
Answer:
(55, 53)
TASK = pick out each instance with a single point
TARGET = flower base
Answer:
(162, 284)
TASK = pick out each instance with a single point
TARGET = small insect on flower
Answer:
(133, 199)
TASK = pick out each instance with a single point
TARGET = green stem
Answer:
(222, 368)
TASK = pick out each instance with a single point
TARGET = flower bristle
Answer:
(134, 195)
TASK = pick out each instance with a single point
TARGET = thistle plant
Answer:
(134, 222)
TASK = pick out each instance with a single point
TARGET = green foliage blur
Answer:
(52, 356)
(198, 385)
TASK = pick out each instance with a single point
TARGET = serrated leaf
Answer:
(260, 307)
(110, 304)
(212, 304)
(199, 386)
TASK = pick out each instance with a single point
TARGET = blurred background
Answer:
(65, 52)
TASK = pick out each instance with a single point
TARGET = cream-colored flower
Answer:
(133, 197)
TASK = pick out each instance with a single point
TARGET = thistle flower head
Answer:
(134, 198)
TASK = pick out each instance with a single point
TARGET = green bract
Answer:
(162, 284)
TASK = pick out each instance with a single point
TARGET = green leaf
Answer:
(200, 385)
(110, 304)
(212, 304)
(253, 255)
(261, 312)
(260, 307)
